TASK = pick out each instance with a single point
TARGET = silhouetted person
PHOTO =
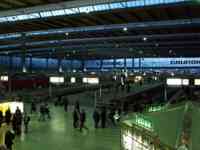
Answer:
(128, 87)
(66, 103)
(8, 116)
(47, 111)
(75, 118)
(42, 113)
(111, 116)
(26, 122)
(82, 120)
(9, 137)
(1, 118)
(103, 118)
(19, 118)
(96, 118)
(33, 107)
(77, 106)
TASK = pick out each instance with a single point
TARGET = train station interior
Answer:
(99, 74)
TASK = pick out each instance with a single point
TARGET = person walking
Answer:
(26, 122)
(8, 116)
(96, 118)
(75, 118)
(103, 117)
(33, 107)
(9, 137)
(66, 102)
(82, 120)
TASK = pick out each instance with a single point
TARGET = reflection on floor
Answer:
(58, 134)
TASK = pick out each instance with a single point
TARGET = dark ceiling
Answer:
(15, 4)
(162, 41)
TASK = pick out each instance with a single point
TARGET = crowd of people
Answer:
(102, 117)
(12, 125)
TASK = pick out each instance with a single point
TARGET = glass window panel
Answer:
(92, 64)
(119, 63)
(108, 63)
(129, 62)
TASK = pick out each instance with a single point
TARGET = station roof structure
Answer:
(89, 29)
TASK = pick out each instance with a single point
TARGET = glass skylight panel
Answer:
(75, 10)
(3, 19)
(115, 6)
(46, 14)
(69, 11)
(58, 12)
(130, 4)
(101, 7)
(86, 9)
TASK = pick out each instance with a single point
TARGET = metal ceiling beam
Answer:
(122, 39)
(135, 26)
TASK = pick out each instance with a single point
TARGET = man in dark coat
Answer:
(8, 116)
(82, 120)
(96, 118)
(9, 137)
(75, 118)
(66, 102)
(103, 118)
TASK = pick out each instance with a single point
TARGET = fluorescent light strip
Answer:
(87, 9)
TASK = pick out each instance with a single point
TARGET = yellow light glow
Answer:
(12, 105)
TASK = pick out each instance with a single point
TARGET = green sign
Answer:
(155, 108)
(142, 122)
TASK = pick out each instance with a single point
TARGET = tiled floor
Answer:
(58, 134)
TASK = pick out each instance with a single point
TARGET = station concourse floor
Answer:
(59, 134)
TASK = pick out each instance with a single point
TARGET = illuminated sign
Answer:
(57, 80)
(196, 81)
(4, 78)
(185, 81)
(90, 80)
(73, 80)
(142, 122)
(138, 78)
(155, 108)
(177, 82)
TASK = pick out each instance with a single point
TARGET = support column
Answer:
(23, 56)
(140, 69)
(60, 69)
(31, 64)
(133, 63)
(47, 63)
(125, 65)
(10, 63)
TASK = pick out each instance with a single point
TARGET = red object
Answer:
(26, 81)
